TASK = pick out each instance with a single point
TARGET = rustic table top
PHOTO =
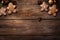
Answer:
(26, 22)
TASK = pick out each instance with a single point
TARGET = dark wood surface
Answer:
(27, 25)
(29, 38)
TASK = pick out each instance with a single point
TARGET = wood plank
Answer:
(27, 1)
(29, 37)
(29, 27)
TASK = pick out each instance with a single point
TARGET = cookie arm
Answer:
(14, 6)
(56, 10)
(41, 5)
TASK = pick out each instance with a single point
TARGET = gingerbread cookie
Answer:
(11, 8)
(44, 6)
(53, 10)
(3, 11)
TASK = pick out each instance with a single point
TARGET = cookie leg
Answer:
(46, 9)
(49, 12)
(54, 14)
(4, 13)
(9, 12)
(14, 11)
(42, 9)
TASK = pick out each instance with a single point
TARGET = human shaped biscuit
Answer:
(53, 10)
(2, 11)
(11, 8)
(44, 7)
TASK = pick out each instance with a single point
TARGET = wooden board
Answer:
(29, 37)
(29, 27)
(26, 23)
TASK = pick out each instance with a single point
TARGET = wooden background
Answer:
(29, 23)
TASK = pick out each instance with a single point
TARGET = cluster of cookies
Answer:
(50, 7)
(7, 8)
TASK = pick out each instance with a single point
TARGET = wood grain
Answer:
(29, 27)
(29, 37)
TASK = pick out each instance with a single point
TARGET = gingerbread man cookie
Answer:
(53, 10)
(11, 8)
(44, 6)
(3, 11)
